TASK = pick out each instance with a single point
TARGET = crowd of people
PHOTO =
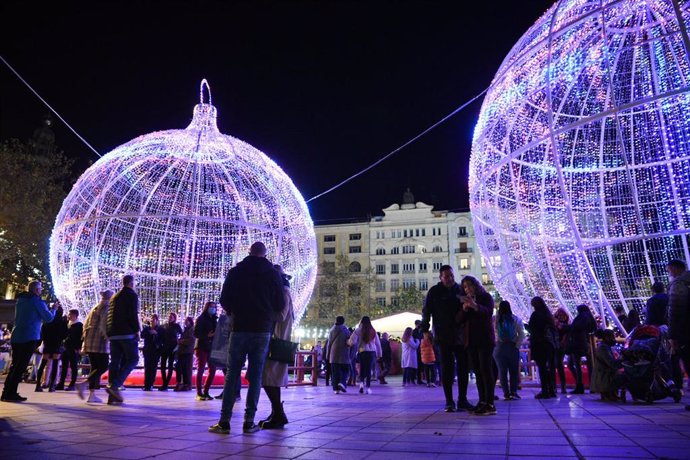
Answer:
(460, 332)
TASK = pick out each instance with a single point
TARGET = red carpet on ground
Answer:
(136, 379)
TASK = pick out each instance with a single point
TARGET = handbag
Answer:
(220, 346)
(282, 351)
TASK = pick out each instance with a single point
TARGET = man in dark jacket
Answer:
(679, 318)
(386, 358)
(72, 355)
(253, 294)
(29, 312)
(657, 306)
(123, 332)
(443, 304)
(578, 332)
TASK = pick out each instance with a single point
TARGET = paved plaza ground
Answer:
(393, 423)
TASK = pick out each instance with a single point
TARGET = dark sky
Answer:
(323, 87)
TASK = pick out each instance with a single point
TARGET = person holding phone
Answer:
(443, 304)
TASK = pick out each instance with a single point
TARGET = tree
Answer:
(409, 299)
(342, 288)
(31, 194)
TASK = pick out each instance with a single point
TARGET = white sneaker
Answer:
(81, 389)
(361, 388)
(93, 398)
(368, 391)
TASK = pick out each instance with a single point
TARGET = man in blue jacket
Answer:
(30, 311)
(253, 294)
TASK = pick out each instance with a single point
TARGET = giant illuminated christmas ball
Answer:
(177, 209)
(580, 167)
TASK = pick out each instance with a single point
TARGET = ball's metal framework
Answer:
(177, 209)
(580, 167)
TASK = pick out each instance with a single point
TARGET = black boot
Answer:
(268, 419)
(278, 419)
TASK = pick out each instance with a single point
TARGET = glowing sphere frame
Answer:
(580, 166)
(177, 209)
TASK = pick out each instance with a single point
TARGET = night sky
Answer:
(324, 88)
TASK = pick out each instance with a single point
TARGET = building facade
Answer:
(401, 250)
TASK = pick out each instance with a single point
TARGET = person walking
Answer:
(204, 330)
(96, 346)
(510, 334)
(71, 355)
(679, 318)
(29, 312)
(275, 373)
(123, 332)
(152, 333)
(562, 322)
(409, 357)
(171, 333)
(657, 306)
(366, 341)
(476, 316)
(253, 294)
(338, 354)
(542, 339)
(442, 304)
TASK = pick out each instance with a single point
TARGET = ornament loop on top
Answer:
(204, 82)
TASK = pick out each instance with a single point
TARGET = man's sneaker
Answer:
(201, 398)
(342, 387)
(94, 399)
(250, 427)
(337, 392)
(81, 389)
(450, 407)
(486, 409)
(465, 405)
(478, 408)
(113, 402)
(114, 393)
(515, 396)
(368, 391)
(507, 398)
(220, 428)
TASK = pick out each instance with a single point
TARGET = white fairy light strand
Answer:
(49, 106)
(388, 155)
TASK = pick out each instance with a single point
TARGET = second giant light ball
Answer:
(580, 167)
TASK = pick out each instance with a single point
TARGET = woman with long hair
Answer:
(97, 346)
(476, 318)
(509, 336)
(368, 345)
(542, 339)
(52, 334)
(409, 357)
(204, 329)
(562, 321)
(578, 344)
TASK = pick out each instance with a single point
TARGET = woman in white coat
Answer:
(275, 374)
(366, 341)
(409, 357)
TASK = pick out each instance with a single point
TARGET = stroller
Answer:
(647, 366)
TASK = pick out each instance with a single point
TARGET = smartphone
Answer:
(462, 298)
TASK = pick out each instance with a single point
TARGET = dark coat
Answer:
(152, 342)
(578, 334)
(657, 306)
(442, 305)
(171, 332)
(204, 325)
(253, 294)
(123, 314)
(543, 336)
(53, 334)
(386, 352)
(678, 308)
(338, 351)
(74, 334)
(186, 342)
(478, 325)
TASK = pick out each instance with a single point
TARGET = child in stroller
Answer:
(647, 366)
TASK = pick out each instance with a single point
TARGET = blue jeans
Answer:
(507, 358)
(124, 356)
(252, 346)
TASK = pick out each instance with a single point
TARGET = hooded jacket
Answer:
(253, 294)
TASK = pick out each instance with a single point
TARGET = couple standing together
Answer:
(462, 327)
